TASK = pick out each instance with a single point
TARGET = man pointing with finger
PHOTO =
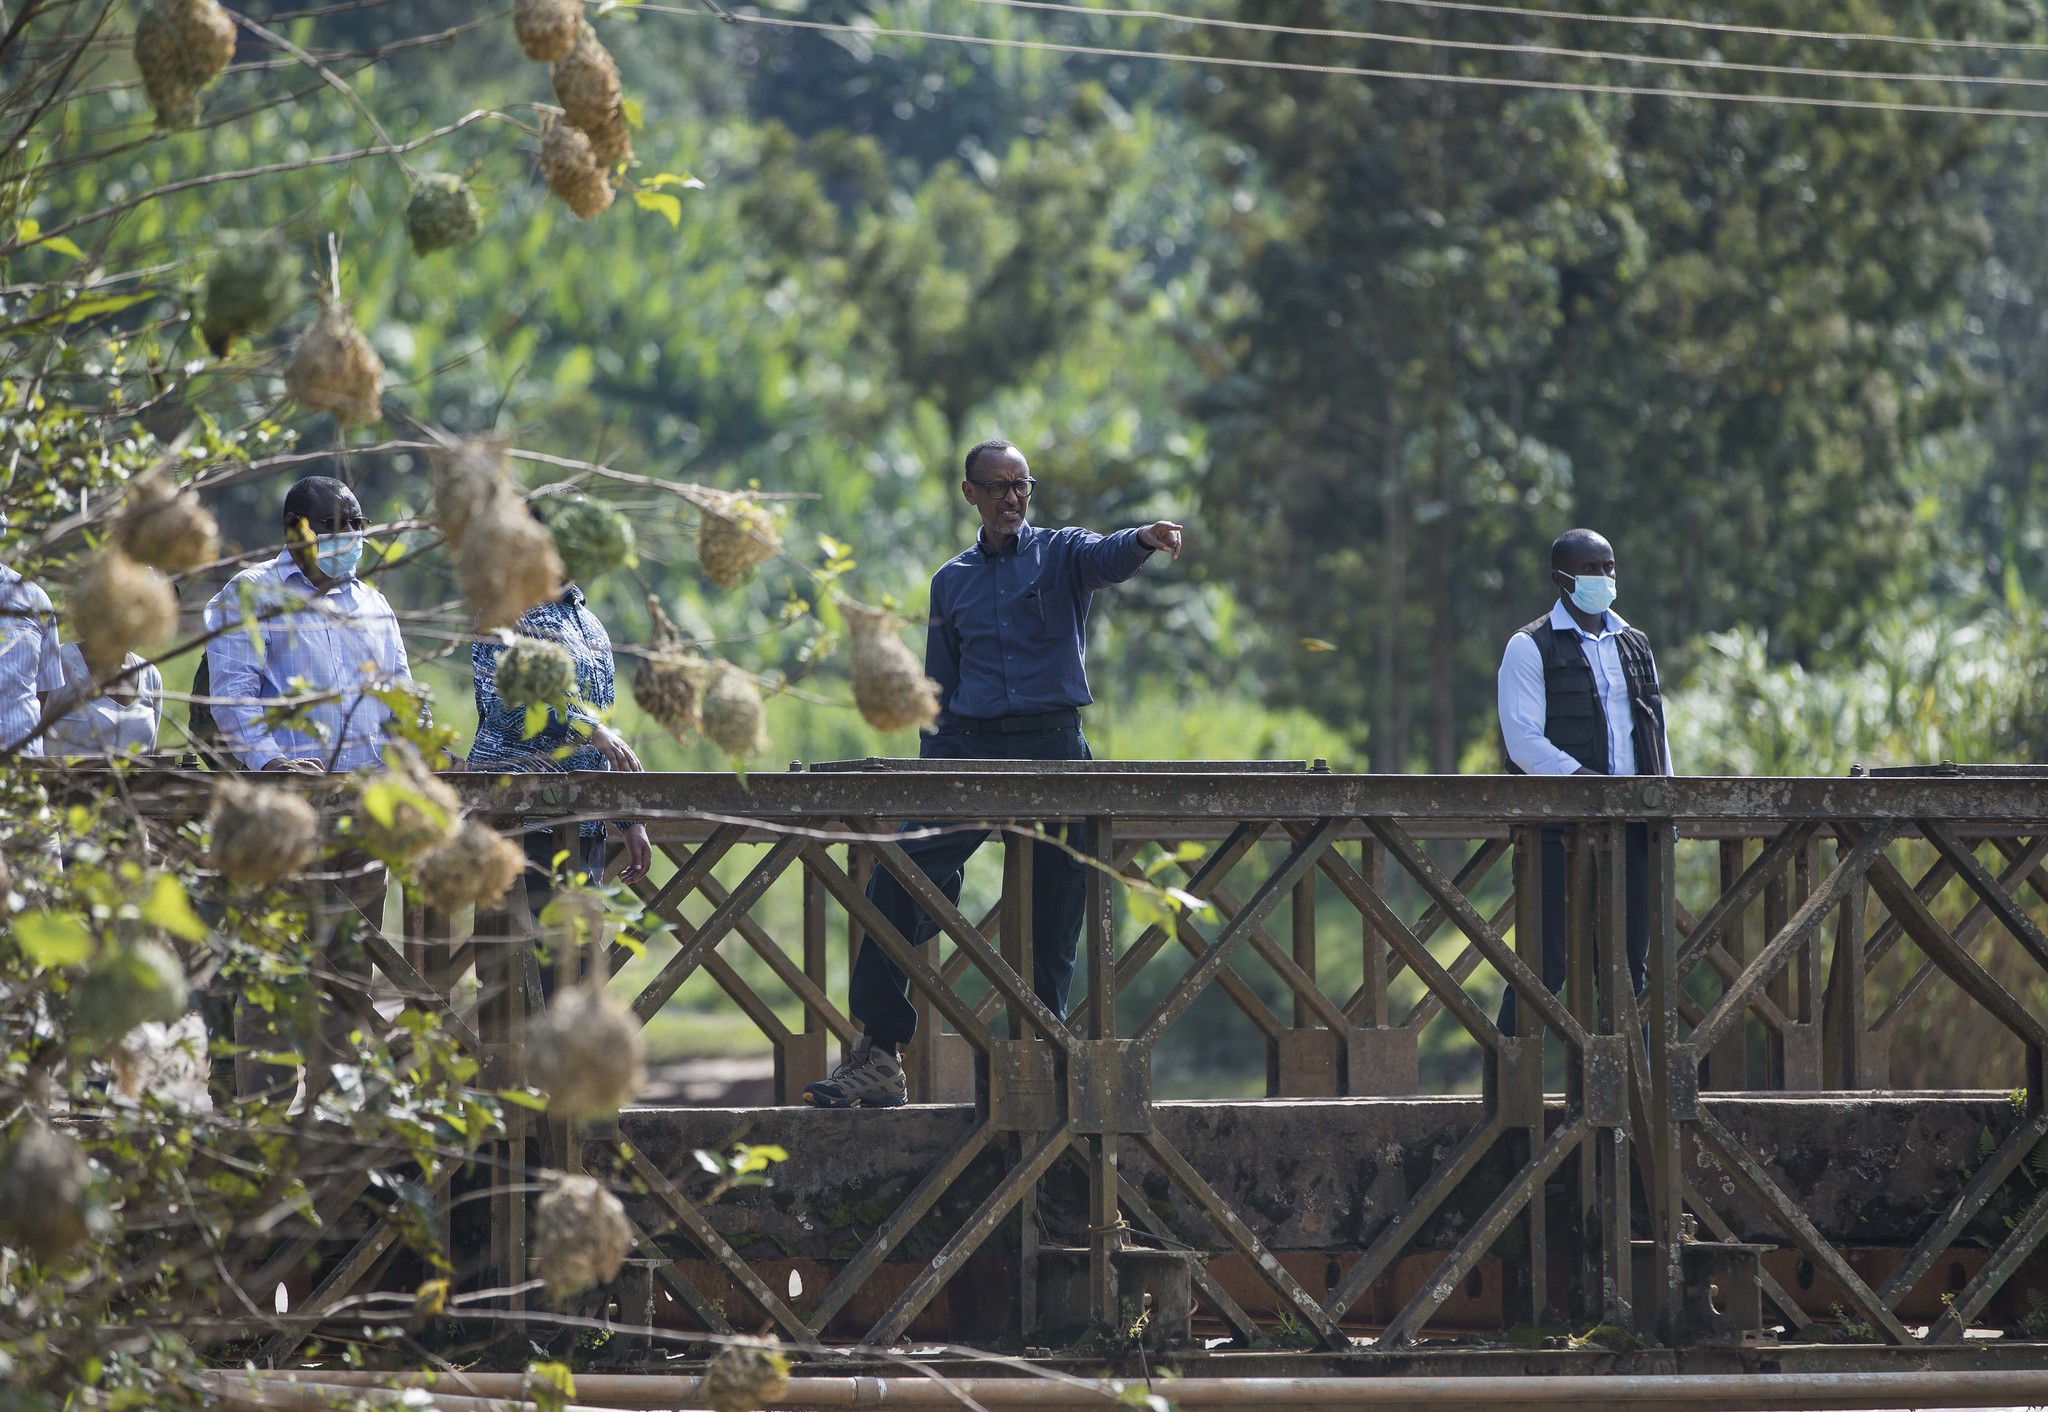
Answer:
(1007, 644)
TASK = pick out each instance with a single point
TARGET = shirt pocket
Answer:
(1049, 614)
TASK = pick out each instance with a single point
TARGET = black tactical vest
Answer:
(1574, 719)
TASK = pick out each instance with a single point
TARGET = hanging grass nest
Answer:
(592, 538)
(261, 833)
(744, 1376)
(731, 714)
(508, 562)
(442, 213)
(669, 680)
(251, 284)
(44, 1190)
(120, 607)
(889, 686)
(586, 1054)
(547, 28)
(733, 535)
(476, 868)
(406, 811)
(574, 175)
(535, 673)
(587, 87)
(580, 1234)
(467, 477)
(165, 527)
(334, 369)
(181, 48)
(125, 987)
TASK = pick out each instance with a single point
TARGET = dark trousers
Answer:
(1635, 850)
(879, 995)
(586, 854)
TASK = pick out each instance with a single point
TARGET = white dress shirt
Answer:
(1524, 702)
(28, 658)
(304, 642)
(107, 725)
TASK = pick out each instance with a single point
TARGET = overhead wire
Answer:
(1497, 47)
(871, 31)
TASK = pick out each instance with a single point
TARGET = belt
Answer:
(1069, 719)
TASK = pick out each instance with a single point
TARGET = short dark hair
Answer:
(312, 494)
(1570, 542)
(991, 446)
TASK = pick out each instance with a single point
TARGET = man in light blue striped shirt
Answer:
(303, 627)
(30, 668)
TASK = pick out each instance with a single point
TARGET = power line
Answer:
(1353, 71)
(1484, 46)
(1716, 27)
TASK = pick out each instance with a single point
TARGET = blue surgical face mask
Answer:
(1592, 593)
(339, 554)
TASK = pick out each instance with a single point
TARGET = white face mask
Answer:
(1592, 593)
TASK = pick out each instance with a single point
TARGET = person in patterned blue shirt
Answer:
(30, 669)
(579, 741)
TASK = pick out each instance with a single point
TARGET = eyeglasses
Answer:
(1003, 489)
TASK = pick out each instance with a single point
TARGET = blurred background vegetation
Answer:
(1377, 340)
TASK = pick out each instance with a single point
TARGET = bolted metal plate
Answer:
(1109, 1086)
(1607, 1080)
(1383, 1061)
(1022, 1094)
(1311, 1064)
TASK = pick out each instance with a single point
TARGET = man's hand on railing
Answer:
(300, 767)
(639, 853)
(610, 744)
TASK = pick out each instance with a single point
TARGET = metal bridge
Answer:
(1717, 1174)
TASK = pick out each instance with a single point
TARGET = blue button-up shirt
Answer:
(1008, 631)
(1525, 703)
(300, 642)
(501, 739)
(28, 658)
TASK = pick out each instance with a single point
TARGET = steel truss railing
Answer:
(1813, 885)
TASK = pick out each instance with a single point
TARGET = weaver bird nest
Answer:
(889, 686)
(731, 714)
(733, 536)
(165, 527)
(508, 562)
(592, 538)
(120, 607)
(467, 477)
(261, 833)
(580, 1235)
(744, 1376)
(251, 284)
(667, 682)
(125, 987)
(547, 28)
(586, 1054)
(181, 48)
(574, 175)
(334, 369)
(44, 1181)
(535, 673)
(587, 87)
(476, 868)
(441, 214)
(405, 810)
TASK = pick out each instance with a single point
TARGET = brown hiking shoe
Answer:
(870, 1078)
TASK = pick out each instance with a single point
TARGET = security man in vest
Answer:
(1579, 696)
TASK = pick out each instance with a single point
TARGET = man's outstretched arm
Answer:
(1112, 558)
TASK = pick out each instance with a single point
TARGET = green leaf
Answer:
(660, 201)
(536, 720)
(53, 939)
(550, 1385)
(102, 304)
(685, 181)
(380, 801)
(636, 116)
(524, 1098)
(168, 907)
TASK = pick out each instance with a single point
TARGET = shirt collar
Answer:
(1018, 540)
(288, 569)
(571, 595)
(1561, 618)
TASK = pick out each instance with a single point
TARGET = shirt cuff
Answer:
(259, 755)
